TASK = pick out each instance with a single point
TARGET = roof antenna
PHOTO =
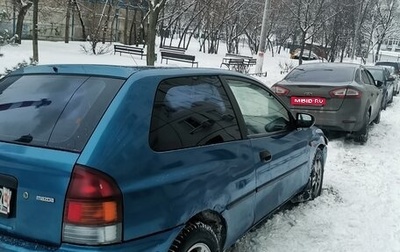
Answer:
(55, 69)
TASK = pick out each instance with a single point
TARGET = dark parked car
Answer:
(382, 74)
(112, 158)
(396, 73)
(341, 96)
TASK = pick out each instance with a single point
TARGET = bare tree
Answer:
(310, 17)
(22, 8)
(155, 7)
(35, 30)
(385, 12)
(67, 21)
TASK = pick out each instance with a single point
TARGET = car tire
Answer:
(315, 181)
(361, 136)
(377, 119)
(196, 236)
(391, 98)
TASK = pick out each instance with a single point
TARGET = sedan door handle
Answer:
(265, 156)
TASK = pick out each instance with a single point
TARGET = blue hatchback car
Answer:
(113, 158)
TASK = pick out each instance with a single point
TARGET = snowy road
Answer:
(359, 209)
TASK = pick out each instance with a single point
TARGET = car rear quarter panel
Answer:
(162, 190)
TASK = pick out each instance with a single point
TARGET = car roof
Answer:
(320, 65)
(117, 71)
(379, 67)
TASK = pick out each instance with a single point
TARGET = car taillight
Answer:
(279, 90)
(346, 93)
(93, 209)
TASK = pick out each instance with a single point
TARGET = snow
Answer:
(358, 210)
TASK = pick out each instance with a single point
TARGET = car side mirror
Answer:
(378, 83)
(304, 120)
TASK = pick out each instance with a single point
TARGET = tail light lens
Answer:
(279, 90)
(93, 209)
(346, 93)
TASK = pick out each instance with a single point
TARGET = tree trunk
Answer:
(105, 26)
(126, 22)
(67, 21)
(151, 38)
(155, 7)
(78, 9)
(20, 21)
(35, 31)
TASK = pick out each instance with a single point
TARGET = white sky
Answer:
(359, 209)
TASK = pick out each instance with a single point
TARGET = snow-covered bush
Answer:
(21, 64)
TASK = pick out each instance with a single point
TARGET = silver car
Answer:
(341, 96)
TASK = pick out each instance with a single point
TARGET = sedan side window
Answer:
(366, 78)
(192, 111)
(261, 111)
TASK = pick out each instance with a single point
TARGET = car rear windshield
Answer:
(321, 75)
(55, 111)
(392, 64)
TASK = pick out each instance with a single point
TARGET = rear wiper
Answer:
(24, 139)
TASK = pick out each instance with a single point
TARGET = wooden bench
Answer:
(129, 49)
(172, 49)
(232, 55)
(251, 62)
(168, 55)
(236, 64)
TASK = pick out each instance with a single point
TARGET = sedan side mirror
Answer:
(378, 83)
(304, 120)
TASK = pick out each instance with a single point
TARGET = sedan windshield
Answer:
(327, 74)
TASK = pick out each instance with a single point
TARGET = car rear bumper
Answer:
(155, 243)
(335, 120)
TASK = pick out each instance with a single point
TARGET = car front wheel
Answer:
(314, 185)
(196, 237)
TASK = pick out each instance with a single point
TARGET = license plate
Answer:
(5, 200)
(307, 101)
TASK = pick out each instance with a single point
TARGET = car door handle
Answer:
(265, 156)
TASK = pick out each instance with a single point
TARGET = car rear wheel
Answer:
(361, 136)
(196, 237)
(377, 119)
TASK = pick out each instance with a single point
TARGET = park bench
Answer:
(251, 62)
(129, 49)
(173, 49)
(168, 55)
(236, 64)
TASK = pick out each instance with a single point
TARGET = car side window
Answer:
(262, 112)
(366, 78)
(192, 111)
(371, 78)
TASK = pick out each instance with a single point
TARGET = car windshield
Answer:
(53, 111)
(326, 74)
(377, 74)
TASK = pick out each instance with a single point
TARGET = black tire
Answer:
(195, 237)
(377, 119)
(315, 181)
(362, 135)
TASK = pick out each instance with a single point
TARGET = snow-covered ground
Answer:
(359, 209)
